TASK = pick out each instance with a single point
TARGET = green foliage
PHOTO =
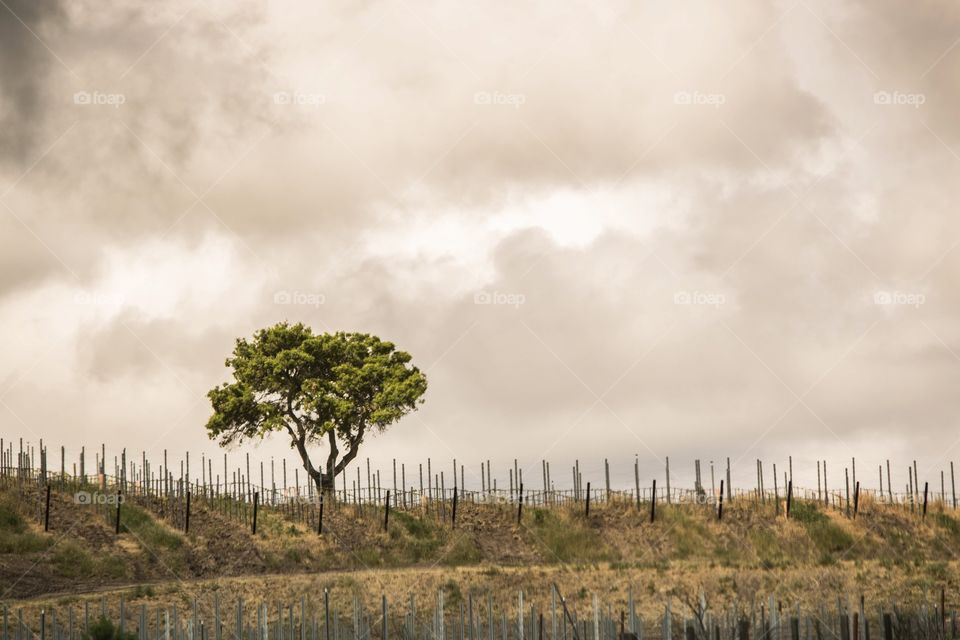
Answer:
(72, 561)
(828, 537)
(417, 527)
(147, 530)
(462, 551)
(452, 596)
(688, 534)
(103, 629)
(314, 388)
(15, 535)
(806, 511)
(143, 591)
(567, 538)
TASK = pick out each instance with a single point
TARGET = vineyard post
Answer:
(889, 485)
(856, 500)
(256, 504)
(881, 481)
(953, 486)
(720, 506)
(926, 487)
(847, 475)
(729, 486)
(320, 515)
(588, 500)
(653, 501)
(668, 478)
(566, 613)
(453, 518)
(386, 513)
(326, 612)
(46, 514)
(636, 478)
(826, 496)
(383, 609)
(520, 504)
(776, 492)
(119, 501)
(606, 470)
(789, 497)
(819, 494)
(186, 520)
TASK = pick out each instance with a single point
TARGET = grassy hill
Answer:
(82, 552)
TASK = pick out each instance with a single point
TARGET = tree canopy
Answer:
(330, 389)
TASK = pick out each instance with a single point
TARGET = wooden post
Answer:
(953, 486)
(636, 478)
(790, 497)
(856, 500)
(46, 514)
(256, 504)
(320, 515)
(729, 485)
(386, 513)
(668, 478)
(653, 501)
(588, 500)
(926, 487)
(720, 507)
(186, 520)
(453, 516)
(119, 501)
(520, 505)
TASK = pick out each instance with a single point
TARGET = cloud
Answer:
(25, 64)
(602, 227)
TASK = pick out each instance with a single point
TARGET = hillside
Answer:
(82, 553)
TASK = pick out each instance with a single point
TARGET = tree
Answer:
(333, 389)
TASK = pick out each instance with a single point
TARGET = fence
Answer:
(236, 494)
(474, 617)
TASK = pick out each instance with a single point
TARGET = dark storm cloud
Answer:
(25, 64)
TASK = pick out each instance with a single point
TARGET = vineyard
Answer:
(262, 554)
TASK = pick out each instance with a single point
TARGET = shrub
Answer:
(103, 629)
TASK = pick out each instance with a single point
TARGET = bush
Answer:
(103, 629)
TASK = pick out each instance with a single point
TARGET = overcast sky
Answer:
(604, 229)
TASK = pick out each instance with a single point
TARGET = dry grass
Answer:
(616, 541)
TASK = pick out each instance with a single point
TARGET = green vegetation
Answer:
(72, 561)
(289, 380)
(687, 532)
(566, 538)
(826, 535)
(147, 530)
(104, 629)
(15, 534)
